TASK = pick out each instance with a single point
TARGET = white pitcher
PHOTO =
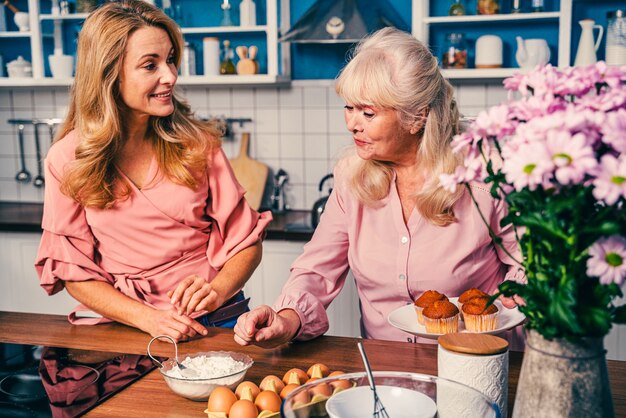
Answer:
(587, 46)
(532, 52)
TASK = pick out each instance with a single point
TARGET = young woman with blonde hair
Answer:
(144, 222)
(387, 219)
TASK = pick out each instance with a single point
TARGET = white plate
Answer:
(399, 402)
(405, 318)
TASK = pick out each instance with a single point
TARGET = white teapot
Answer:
(532, 52)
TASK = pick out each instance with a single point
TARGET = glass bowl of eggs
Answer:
(198, 374)
(403, 394)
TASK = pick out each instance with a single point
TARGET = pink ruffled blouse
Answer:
(393, 263)
(146, 244)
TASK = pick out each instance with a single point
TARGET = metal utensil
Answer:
(379, 408)
(23, 176)
(38, 181)
(184, 370)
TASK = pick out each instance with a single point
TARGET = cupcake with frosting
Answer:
(479, 316)
(441, 317)
(426, 299)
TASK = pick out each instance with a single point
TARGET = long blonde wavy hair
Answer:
(96, 111)
(391, 69)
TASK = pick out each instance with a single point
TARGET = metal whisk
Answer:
(379, 408)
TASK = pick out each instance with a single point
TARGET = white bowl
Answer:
(199, 389)
(399, 403)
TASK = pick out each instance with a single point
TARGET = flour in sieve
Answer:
(208, 367)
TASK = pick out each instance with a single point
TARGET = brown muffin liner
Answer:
(443, 325)
(481, 323)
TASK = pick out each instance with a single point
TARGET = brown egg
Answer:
(336, 373)
(323, 389)
(288, 389)
(340, 384)
(272, 382)
(300, 375)
(318, 370)
(268, 401)
(302, 398)
(243, 408)
(221, 399)
(247, 384)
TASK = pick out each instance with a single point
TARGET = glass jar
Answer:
(615, 53)
(227, 66)
(455, 53)
(488, 7)
(456, 9)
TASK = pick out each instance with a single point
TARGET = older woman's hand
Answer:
(195, 294)
(266, 328)
(512, 302)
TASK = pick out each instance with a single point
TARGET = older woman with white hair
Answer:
(388, 220)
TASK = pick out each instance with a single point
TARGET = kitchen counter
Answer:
(150, 396)
(26, 217)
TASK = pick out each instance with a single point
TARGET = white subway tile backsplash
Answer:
(316, 146)
(336, 120)
(315, 121)
(315, 97)
(496, 94)
(472, 95)
(291, 120)
(195, 97)
(220, 98)
(334, 100)
(8, 190)
(266, 97)
(290, 98)
(5, 99)
(295, 169)
(266, 121)
(300, 129)
(315, 170)
(292, 146)
(243, 99)
(267, 146)
(8, 167)
(23, 99)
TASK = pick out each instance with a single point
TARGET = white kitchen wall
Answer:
(299, 129)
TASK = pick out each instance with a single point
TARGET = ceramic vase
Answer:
(563, 379)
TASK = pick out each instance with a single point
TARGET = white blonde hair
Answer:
(391, 69)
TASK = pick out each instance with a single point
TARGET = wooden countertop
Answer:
(26, 217)
(150, 396)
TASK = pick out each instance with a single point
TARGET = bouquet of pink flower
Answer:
(557, 155)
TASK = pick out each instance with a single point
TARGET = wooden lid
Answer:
(480, 344)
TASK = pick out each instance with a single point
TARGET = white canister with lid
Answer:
(480, 361)
(489, 52)
(211, 55)
(19, 68)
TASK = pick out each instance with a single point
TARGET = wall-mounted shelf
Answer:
(275, 63)
(224, 29)
(428, 28)
(513, 17)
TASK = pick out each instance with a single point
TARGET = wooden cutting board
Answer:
(250, 173)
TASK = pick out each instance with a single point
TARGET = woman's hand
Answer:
(512, 302)
(195, 294)
(266, 328)
(171, 323)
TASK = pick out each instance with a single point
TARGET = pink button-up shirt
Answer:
(145, 244)
(393, 262)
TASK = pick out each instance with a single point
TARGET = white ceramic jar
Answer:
(211, 56)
